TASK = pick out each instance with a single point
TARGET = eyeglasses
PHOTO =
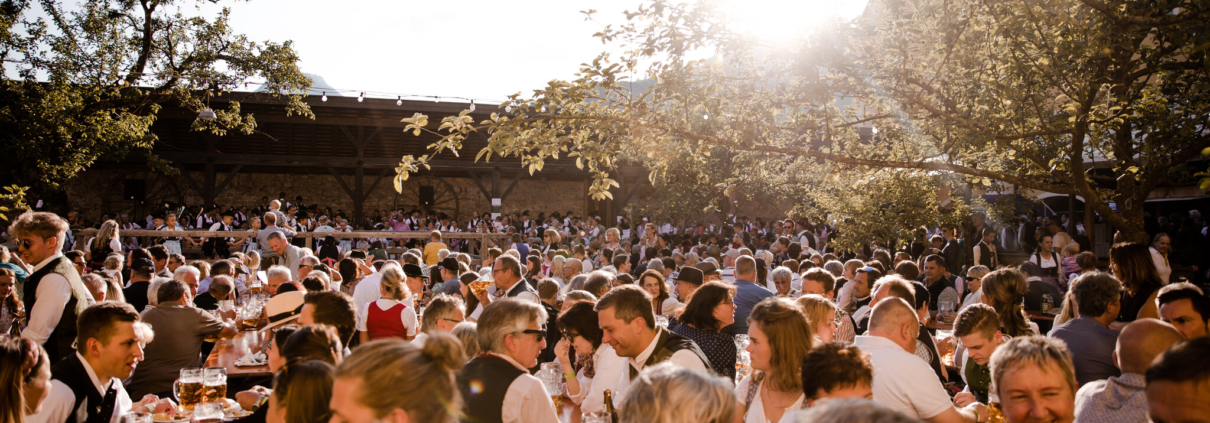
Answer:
(540, 332)
(24, 243)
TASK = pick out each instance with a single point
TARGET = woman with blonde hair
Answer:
(1004, 290)
(780, 336)
(613, 239)
(974, 284)
(666, 393)
(107, 241)
(392, 315)
(821, 313)
(395, 381)
(556, 270)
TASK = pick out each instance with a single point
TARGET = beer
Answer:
(189, 394)
(994, 414)
(214, 393)
(477, 287)
(558, 400)
(613, 413)
(250, 323)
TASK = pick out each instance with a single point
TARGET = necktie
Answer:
(634, 373)
(105, 408)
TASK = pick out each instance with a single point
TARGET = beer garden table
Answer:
(227, 352)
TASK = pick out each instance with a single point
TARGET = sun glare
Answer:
(781, 20)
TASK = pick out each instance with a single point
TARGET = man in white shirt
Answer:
(87, 385)
(269, 257)
(901, 379)
(54, 293)
(441, 315)
(628, 322)
(496, 385)
(1161, 245)
(291, 256)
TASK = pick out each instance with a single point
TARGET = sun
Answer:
(783, 20)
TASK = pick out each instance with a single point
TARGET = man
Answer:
(275, 277)
(729, 272)
(1161, 246)
(189, 275)
(599, 282)
(141, 272)
(844, 294)
(76, 257)
(862, 284)
(180, 330)
(902, 380)
(441, 315)
(628, 323)
(269, 256)
(431, 249)
(160, 256)
(978, 328)
(291, 256)
(175, 261)
(94, 283)
(496, 385)
(54, 294)
(220, 290)
(747, 293)
(548, 290)
(217, 268)
(415, 280)
(953, 251)
(571, 268)
(448, 272)
(894, 286)
(1124, 398)
(87, 385)
(1178, 383)
(833, 371)
(819, 282)
(941, 286)
(507, 273)
(1059, 235)
(709, 271)
(332, 308)
(1089, 337)
(1034, 380)
(687, 281)
(1185, 307)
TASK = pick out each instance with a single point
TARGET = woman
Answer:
(550, 239)
(12, 311)
(301, 393)
(24, 378)
(710, 309)
(780, 337)
(472, 302)
(666, 393)
(651, 239)
(1004, 290)
(350, 275)
(821, 313)
(783, 280)
(1046, 258)
(394, 381)
(329, 252)
(653, 282)
(107, 241)
(613, 239)
(556, 270)
(1132, 264)
(974, 282)
(392, 315)
(533, 268)
(581, 332)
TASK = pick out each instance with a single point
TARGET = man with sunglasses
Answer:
(496, 385)
(54, 294)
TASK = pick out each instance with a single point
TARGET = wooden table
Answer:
(227, 352)
(1038, 315)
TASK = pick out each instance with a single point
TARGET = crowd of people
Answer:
(743, 321)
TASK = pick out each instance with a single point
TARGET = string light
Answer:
(508, 109)
(325, 97)
(399, 102)
(472, 105)
(361, 97)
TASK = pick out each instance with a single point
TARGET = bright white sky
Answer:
(482, 49)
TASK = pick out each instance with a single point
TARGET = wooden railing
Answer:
(84, 236)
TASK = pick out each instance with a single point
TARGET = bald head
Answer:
(1141, 342)
(895, 320)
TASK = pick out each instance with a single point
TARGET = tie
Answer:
(634, 373)
(105, 409)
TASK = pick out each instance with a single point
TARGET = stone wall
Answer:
(99, 190)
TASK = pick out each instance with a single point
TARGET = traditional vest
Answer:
(935, 289)
(987, 257)
(386, 323)
(520, 287)
(89, 402)
(1050, 271)
(59, 344)
(483, 382)
(99, 255)
(667, 344)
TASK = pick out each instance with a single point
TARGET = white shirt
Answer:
(1162, 265)
(408, 315)
(526, 400)
(57, 407)
(366, 291)
(54, 291)
(756, 411)
(420, 339)
(607, 365)
(902, 380)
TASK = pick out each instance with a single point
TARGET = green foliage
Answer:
(91, 81)
(963, 95)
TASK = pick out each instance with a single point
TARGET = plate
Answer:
(251, 364)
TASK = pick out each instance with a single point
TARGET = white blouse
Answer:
(756, 411)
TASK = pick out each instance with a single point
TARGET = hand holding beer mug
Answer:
(188, 388)
(214, 385)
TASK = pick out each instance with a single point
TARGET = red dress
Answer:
(385, 323)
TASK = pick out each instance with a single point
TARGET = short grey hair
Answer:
(153, 290)
(278, 271)
(656, 265)
(835, 267)
(442, 306)
(781, 273)
(661, 391)
(442, 254)
(1094, 292)
(93, 282)
(181, 271)
(851, 410)
(504, 317)
(276, 235)
(1037, 350)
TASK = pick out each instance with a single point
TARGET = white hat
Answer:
(284, 308)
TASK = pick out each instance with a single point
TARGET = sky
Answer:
(478, 49)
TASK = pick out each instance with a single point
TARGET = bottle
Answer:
(613, 414)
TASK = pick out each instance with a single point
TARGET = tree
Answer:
(91, 81)
(1106, 100)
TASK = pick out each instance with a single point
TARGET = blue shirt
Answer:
(747, 295)
(1091, 345)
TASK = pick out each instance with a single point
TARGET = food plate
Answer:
(250, 363)
(165, 418)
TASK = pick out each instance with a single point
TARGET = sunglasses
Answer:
(540, 332)
(24, 243)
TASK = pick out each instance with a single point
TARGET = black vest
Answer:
(937, 288)
(59, 344)
(483, 381)
(520, 287)
(71, 372)
(667, 344)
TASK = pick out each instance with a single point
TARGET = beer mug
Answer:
(596, 417)
(208, 412)
(214, 384)
(188, 388)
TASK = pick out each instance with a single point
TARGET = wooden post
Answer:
(1090, 225)
(1071, 216)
